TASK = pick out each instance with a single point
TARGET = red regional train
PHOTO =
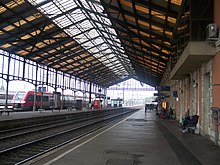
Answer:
(43, 100)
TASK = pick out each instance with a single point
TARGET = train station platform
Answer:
(140, 139)
(31, 114)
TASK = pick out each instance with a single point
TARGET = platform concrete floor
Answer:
(140, 139)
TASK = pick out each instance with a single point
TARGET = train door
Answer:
(57, 100)
(78, 105)
(46, 101)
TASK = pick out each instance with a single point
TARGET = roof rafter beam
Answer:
(116, 9)
(115, 68)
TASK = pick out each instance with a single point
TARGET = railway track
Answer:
(16, 137)
(19, 153)
(20, 131)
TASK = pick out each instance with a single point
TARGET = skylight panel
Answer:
(97, 7)
(108, 51)
(74, 30)
(111, 56)
(85, 4)
(77, 15)
(76, 18)
(86, 24)
(39, 1)
(80, 38)
(99, 25)
(51, 9)
(107, 21)
(98, 40)
(94, 50)
(65, 5)
(94, 17)
(63, 21)
(107, 36)
(104, 46)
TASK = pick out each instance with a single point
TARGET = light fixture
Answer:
(195, 85)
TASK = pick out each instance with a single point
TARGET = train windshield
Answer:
(19, 96)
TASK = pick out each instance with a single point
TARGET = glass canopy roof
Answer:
(87, 24)
(101, 41)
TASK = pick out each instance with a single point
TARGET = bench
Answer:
(70, 108)
(193, 123)
(6, 111)
(41, 110)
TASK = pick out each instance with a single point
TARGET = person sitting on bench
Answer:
(185, 122)
(193, 123)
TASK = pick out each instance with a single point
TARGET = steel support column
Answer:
(35, 89)
(7, 83)
(90, 94)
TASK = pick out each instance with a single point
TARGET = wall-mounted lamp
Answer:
(195, 85)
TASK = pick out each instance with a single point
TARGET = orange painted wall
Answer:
(217, 12)
(216, 80)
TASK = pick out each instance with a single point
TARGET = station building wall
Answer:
(200, 90)
(197, 93)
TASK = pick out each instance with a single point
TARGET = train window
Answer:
(10, 96)
(45, 98)
(19, 96)
(38, 98)
(2, 96)
(70, 97)
(30, 98)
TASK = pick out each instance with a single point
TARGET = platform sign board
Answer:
(164, 96)
(175, 94)
(163, 88)
(100, 96)
(159, 94)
